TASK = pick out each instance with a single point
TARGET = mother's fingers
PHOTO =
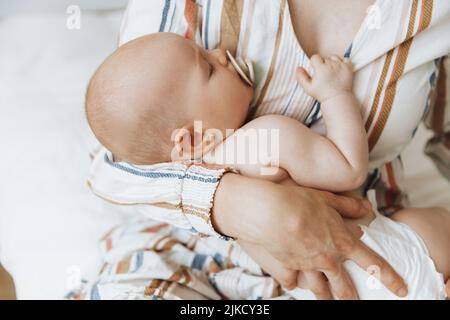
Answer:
(286, 277)
(317, 283)
(341, 284)
(377, 266)
(447, 287)
(348, 207)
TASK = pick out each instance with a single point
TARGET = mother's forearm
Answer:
(241, 205)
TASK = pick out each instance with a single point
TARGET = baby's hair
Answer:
(133, 105)
(146, 143)
(139, 134)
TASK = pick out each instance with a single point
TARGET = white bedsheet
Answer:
(49, 221)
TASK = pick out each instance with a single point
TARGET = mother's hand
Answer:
(447, 287)
(302, 229)
(310, 235)
(289, 279)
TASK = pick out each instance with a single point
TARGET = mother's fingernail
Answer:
(367, 205)
(402, 292)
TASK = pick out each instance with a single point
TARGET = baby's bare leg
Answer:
(433, 225)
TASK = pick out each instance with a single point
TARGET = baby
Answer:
(144, 102)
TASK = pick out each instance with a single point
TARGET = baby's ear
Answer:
(211, 138)
(188, 142)
(182, 144)
(191, 143)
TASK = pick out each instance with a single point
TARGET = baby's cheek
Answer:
(233, 98)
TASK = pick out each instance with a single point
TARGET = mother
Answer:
(400, 52)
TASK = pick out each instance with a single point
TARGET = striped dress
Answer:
(401, 59)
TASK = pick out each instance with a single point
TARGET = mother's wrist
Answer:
(241, 207)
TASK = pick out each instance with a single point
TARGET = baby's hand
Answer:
(332, 77)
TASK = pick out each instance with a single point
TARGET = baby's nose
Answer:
(221, 56)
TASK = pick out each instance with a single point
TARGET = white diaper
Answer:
(405, 251)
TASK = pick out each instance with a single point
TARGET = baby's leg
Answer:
(433, 225)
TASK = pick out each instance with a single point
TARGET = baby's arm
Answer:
(337, 162)
(309, 158)
(332, 85)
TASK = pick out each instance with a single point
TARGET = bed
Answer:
(49, 221)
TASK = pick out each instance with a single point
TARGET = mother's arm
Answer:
(300, 228)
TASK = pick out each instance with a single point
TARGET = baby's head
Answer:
(150, 88)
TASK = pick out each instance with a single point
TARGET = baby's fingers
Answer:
(335, 59)
(348, 63)
(317, 61)
(340, 62)
(304, 79)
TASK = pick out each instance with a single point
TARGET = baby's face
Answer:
(153, 86)
(212, 90)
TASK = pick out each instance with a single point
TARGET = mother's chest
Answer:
(394, 98)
